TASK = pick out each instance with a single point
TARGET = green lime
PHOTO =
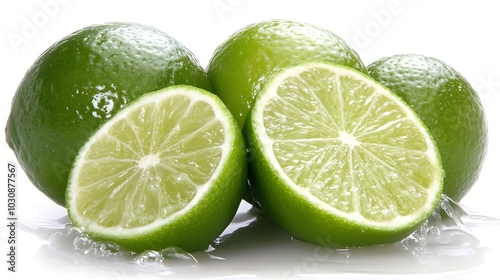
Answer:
(450, 108)
(340, 160)
(80, 82)
(167, 170)
(241, 65)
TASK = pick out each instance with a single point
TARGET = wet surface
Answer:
(252, 246)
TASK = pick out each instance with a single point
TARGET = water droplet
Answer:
(84, 244)
(149, 257)
(166, 256)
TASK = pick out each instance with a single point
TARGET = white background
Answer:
(462, 33)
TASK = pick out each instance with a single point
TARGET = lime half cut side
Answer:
(340, 160)
(167, 170)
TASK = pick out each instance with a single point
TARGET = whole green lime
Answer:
(450, 108)
(241, 65)
(80, 82)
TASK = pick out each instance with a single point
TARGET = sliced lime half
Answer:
(167, 170)
(338, 159)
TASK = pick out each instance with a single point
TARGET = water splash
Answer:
(464, 217)
(84, 249)
(85, 245)
(444, 234)
(166, 256)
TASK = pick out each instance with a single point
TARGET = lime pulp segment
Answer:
(347, 145)
(150, 163)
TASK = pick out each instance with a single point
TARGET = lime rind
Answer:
(267, 148)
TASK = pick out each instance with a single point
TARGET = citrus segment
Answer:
(163, 157)
(330, 141)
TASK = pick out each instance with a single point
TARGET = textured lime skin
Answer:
(242, 64)
(196, 229)
(450, 108)
(81, 81)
